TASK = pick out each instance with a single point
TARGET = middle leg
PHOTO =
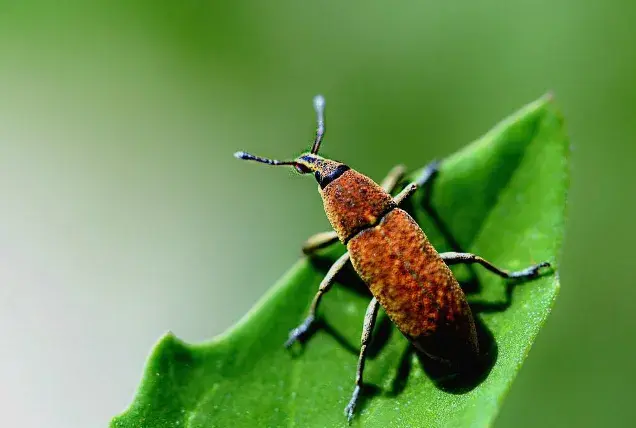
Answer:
(452, 258)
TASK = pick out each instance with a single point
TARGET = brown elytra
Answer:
(392, 255)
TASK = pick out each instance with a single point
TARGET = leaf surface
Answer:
(502, 197)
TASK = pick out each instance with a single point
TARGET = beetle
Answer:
(392, 255)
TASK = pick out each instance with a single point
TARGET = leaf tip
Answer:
(548, 96)
(161, 356)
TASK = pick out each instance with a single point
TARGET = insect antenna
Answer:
(249, 156)
(319, 106)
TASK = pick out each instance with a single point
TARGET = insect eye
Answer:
(302, 169)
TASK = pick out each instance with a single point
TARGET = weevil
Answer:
(389, 251)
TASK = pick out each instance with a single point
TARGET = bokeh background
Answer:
(123, 214)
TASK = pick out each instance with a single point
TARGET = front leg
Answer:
(367, 329)
(423, 181)
(428, 174)
(325, 286)
(318, 241)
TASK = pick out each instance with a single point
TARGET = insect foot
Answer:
(299, 332)
(531, 272)
(351, 407)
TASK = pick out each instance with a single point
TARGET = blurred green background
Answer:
(123, 213)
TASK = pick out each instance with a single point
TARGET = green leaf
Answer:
(502, 197)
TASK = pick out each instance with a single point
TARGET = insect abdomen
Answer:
(414, 286)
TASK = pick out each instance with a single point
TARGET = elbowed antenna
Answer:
(249, 156)
(301, 163)
(319, 106)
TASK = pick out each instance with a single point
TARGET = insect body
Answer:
(390, 252)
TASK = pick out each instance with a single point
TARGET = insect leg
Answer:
(325, 286)
(405, 193)
(393, 178)
(367, 329)
(428, 174)
(452, 258)
(424, 181)
(324, 239)
(319, 241)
